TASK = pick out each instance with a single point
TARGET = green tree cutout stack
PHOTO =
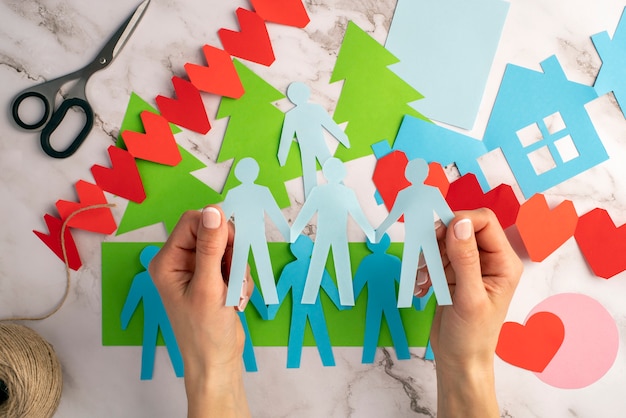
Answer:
(373, 99)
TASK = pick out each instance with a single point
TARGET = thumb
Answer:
(462, 251)
(212, 238)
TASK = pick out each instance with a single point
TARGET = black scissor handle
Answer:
(16, 107)
(55, 121)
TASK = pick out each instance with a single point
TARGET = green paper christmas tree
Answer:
(373, 99)
(254, 131)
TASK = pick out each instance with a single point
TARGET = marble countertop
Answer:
(42, 39)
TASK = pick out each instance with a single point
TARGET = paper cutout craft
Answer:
(429, 355)
(254, 126)
(540, 123)
(332, 202)
(219, 77)
(248, 203)
(373, 98)
(544, 230)
(389, 178)
(53, 241)
(306, 122)
(95, 220)
(132, 118)
(293, 278)
(422, 139)
(602, 243)
(612, 52)
(284, 12)
(590, 345)
(444, 56)
(380, 272)
(143, 290)
(419, 203)
(170, 190)
(466, 194)
(188, 110)
(534, 344)
(252, 43)
(123, 178)
(249, 359)
(157, 144)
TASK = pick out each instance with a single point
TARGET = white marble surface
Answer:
(42, 39)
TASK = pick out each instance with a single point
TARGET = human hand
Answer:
(482, 272)
(189, 273)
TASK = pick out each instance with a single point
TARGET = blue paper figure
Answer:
(249, 202)
(380, 271)
(155, 318)
(540, 123)
(293, 278)
(307, 121)
(249, 359)
(417, 203)
(333, 202)
(612, 74)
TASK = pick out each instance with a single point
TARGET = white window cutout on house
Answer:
(566, 148)
(554, 123)
(529, 135)
(541, 160)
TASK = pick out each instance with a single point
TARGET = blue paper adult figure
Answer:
(418, 202)
(155, 318)
(333, 202)
(249, 202)
(249, 359)
(380, 271)
(307, 121)
(293, 278)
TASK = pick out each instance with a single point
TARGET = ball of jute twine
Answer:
(31, 379)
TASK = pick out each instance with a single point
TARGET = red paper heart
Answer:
(157, 144)
(53, 241)
(543, 230)
(389, 177)
(188, 110)
(284, 12)
(466, 194)
(95, 220)
(533, 345)
(252, 43)
(602, 243)
(123, 178)
(220, 77)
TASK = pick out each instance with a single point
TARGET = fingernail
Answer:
(211, 218)
(438, 224)
(463, 229)
(422, 277)
(421, 263)
(243, 302)
(418, 291)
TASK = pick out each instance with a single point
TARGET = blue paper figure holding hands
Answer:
(307, 121)
(249, 359)
(418, 202)
(249, 202)
(293, 277)
(333, 202)
(155, 318)
(380, 271)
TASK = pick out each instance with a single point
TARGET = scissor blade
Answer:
(121, 36)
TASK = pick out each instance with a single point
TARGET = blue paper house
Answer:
(540, 123)
(612, 74)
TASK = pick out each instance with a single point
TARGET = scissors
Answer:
(75, 98)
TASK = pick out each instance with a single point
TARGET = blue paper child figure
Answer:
(249, 359)
(155, 318)
(293, 278)
(418, 202)
(333, 202)
(249, 202)
(307, 121)
(380, 271)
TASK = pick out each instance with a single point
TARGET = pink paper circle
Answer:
(590, 344)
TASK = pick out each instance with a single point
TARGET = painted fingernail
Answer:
(422, 277)
(211, 218)
(463, 229)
